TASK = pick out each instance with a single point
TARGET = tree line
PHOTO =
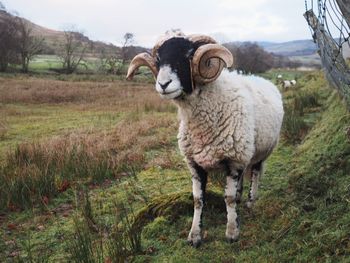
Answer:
(19, 45)
(249, 58)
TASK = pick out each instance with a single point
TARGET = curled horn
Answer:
(196, 38)
(208, 62)
(142, 59)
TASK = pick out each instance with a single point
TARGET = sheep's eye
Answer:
(157, 61)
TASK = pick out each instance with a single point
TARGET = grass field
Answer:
(91, 66)
(91, 172)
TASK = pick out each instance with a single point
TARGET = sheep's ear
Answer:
(143, 59)
(208, 62)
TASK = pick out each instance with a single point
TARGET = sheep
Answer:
(286, 84)
(228, 122)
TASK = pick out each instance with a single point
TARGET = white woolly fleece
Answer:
(236, 117)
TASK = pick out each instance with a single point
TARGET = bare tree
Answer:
(9, 40)
(109, 62)
(251, 58)
(128, 39)
(28, 45)
(74, 50)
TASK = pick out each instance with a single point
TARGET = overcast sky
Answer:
(108, 20)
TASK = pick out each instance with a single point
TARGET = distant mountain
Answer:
(302, 51)
(288, 49)
(291, 48)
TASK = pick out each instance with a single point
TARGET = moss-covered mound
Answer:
(320, 183)
(175, 205)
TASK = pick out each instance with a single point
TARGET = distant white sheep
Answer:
(286, 84)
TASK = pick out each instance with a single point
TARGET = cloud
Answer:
(108, 20)
(239, 5)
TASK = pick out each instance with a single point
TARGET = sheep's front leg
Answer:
(257, 170)
(199, 181)
(232, 184)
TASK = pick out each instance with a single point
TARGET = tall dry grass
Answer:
(118, 95)
(35, 172)
(3, 129)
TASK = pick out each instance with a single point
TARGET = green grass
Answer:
(35, 122)
(302, 214)
(303, 105)
(44, 62)
(286, 74)
(45, 66)
(320, 183)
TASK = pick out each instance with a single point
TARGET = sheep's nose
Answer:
(165, 85)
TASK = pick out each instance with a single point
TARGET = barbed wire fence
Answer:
(329, 22)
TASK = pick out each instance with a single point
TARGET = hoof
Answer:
(232, 240)
(195, 244)
(232, 236)
(194, 240)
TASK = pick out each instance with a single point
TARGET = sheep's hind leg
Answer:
(199, 181)
(239, 189)
(257, 170)
(232, 184)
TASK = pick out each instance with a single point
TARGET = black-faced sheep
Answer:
(286, 84)
(227, 121)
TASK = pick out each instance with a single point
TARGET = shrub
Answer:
(300, 102)
(34, 173)
(82, 245)
(3, 129)
(121, 243)
(294, 127)
(305, 99)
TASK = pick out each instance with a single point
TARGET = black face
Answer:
(177, 52)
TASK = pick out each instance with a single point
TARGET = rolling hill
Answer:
(291, 48)
(288, 49)
(304, 51)
(54, 39)
(299, 50)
